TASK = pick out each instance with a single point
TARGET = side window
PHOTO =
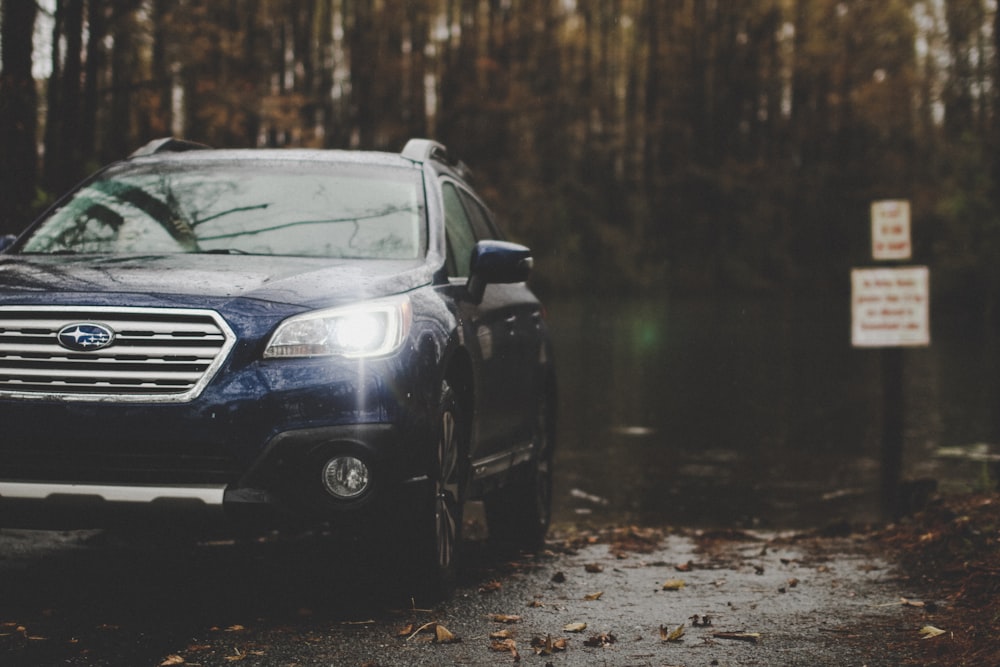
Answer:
(481, 220)
(458, 230)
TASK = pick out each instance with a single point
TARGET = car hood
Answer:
(307, 282)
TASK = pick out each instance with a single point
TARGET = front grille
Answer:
(158, 354)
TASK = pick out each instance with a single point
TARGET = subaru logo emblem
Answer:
(85, 337)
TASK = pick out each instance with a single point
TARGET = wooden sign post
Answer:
(890, 310)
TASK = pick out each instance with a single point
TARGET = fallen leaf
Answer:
(505, 618)
(593, 568)
(601, 640)
(406, 630)
(490, 587)
(506, 646)
(575, 627)
(741, 636)
(443, 635)
(593, 596)
(684, 567)
(172, 660)
(668, 635)
(929, 632)
(426, 627)
(793, 582)
(238, 656)
(911, 603)
(547, 646)
(535, 604)
(502, 634)
(673, 584)
(235, 628)
(558, 578)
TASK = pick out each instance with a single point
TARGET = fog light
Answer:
(345, 477)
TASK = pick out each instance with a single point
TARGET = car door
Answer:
(494, 334)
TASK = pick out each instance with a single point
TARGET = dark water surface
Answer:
(755, 412)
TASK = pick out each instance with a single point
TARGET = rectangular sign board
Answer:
(890, 307)
(891, 229)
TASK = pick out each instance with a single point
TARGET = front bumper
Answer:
(283, 488)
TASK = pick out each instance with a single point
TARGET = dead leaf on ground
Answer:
(490, 587)
(684, 567)
(906, 602)
(506, 646)
(559, 578)
(673, 584)
(793, 582)
(535, 604)
(235, 628)
(593, 596)
(600, 640)
(505, 618)
(443, 635)
(668, 635)
(172, 660)
(548, 646)
(593, 568)
(502, 634)
(575, 627)
(930, 632)
(406, 630)
(753, 637)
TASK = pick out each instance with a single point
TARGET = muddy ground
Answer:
(626, 596)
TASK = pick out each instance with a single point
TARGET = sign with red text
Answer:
(891, 229)
(890, 307)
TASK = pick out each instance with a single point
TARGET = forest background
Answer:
(633, 144)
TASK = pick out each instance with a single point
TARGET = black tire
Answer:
(433, 551)
(518, 516)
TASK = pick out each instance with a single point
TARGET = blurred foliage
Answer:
(632, 143)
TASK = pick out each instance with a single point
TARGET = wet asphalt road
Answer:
(98, 599)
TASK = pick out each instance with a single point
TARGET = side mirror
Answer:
(6, 241)
(497, 262)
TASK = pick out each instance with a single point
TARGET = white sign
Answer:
(890, 307)
(891, 229)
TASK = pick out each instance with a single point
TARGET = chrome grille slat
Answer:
(12, 350)
(159, 354)
(150, 327)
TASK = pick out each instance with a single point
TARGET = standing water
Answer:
(754, 412)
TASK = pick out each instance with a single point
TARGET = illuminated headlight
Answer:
(345, 477)
(371, 329)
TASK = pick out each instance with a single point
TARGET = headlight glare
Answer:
(371, 329)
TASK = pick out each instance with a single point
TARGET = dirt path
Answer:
(741, 599)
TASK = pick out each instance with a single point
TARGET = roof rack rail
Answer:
(422, 150)
(167, 145)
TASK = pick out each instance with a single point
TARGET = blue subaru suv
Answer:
(276, 338)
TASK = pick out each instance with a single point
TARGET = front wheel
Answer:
(438, 526)
(518, 515)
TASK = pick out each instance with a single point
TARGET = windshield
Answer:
(262, 208)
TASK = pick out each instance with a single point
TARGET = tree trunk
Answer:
(18, 106)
